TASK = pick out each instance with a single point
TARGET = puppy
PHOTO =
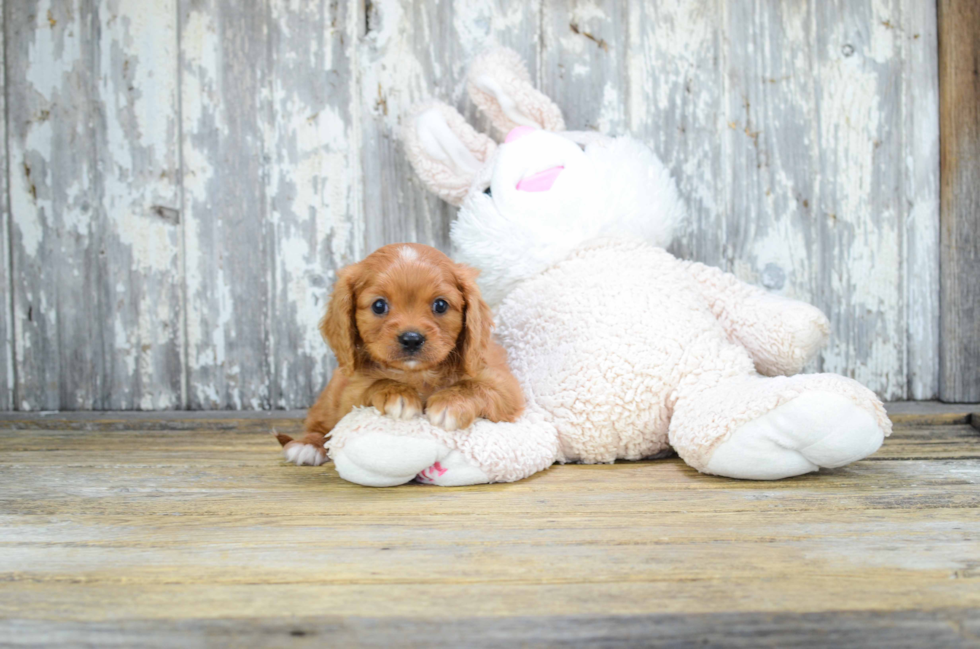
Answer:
(410, 333)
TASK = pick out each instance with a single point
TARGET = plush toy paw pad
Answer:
(815, 430)
(429, 475)
(383, 460)
(304, 454)
(452, 471)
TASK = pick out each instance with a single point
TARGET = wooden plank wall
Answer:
(959, 79)
(183, 177)
(6, 333)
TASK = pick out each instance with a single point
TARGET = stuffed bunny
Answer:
(623, 350)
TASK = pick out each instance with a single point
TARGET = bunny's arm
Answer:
(371, 449)
(780, 334)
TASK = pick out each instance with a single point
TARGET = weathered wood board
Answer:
(95, 237)
(959, 78)
(166, 535)
(185, 176)
(6, 326)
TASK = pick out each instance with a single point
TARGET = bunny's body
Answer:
(623, 351)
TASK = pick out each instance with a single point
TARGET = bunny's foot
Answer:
(757, 428)
(376, 451)
(813, 431)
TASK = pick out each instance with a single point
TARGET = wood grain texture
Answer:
(187, 176)
(930, 413)
(859, 216)
(92, 135)
(56, 211)
(226, 110)
(785, 124)
(401, 59)
(181, 537)
(139, 166)
(585, 63)
(959, 106)
(7, 365)
(676, 101)
(920, 189)
(951, 628)
(312, 185)
(815, 124)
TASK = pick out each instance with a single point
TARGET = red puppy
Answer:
(410, 332)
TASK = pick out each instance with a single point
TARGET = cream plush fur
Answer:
(623, 351)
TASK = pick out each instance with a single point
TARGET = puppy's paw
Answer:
(304, 454)
(398, 402)
(451, 409)
(308, 451)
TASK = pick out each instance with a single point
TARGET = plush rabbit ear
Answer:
(444, 150)
(501, 86)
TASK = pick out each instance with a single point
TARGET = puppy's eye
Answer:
(380, 307)
(440, 306)
(488, 192)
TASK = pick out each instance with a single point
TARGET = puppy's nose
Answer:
(411, 341)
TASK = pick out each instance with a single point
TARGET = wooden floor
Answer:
(181, 531)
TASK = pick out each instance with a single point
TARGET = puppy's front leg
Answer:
(457, 406)
(393, 399)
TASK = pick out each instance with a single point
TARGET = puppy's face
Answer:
(408, 307)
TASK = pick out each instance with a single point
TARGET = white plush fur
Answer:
(623, 350)
(610, 188)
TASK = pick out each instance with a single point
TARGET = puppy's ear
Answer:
(477, 322)
(339, 325)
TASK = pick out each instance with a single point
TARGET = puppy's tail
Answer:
(283, 438)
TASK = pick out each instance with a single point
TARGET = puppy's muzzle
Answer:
(411, 341)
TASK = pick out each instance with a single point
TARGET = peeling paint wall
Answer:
(182, 178)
